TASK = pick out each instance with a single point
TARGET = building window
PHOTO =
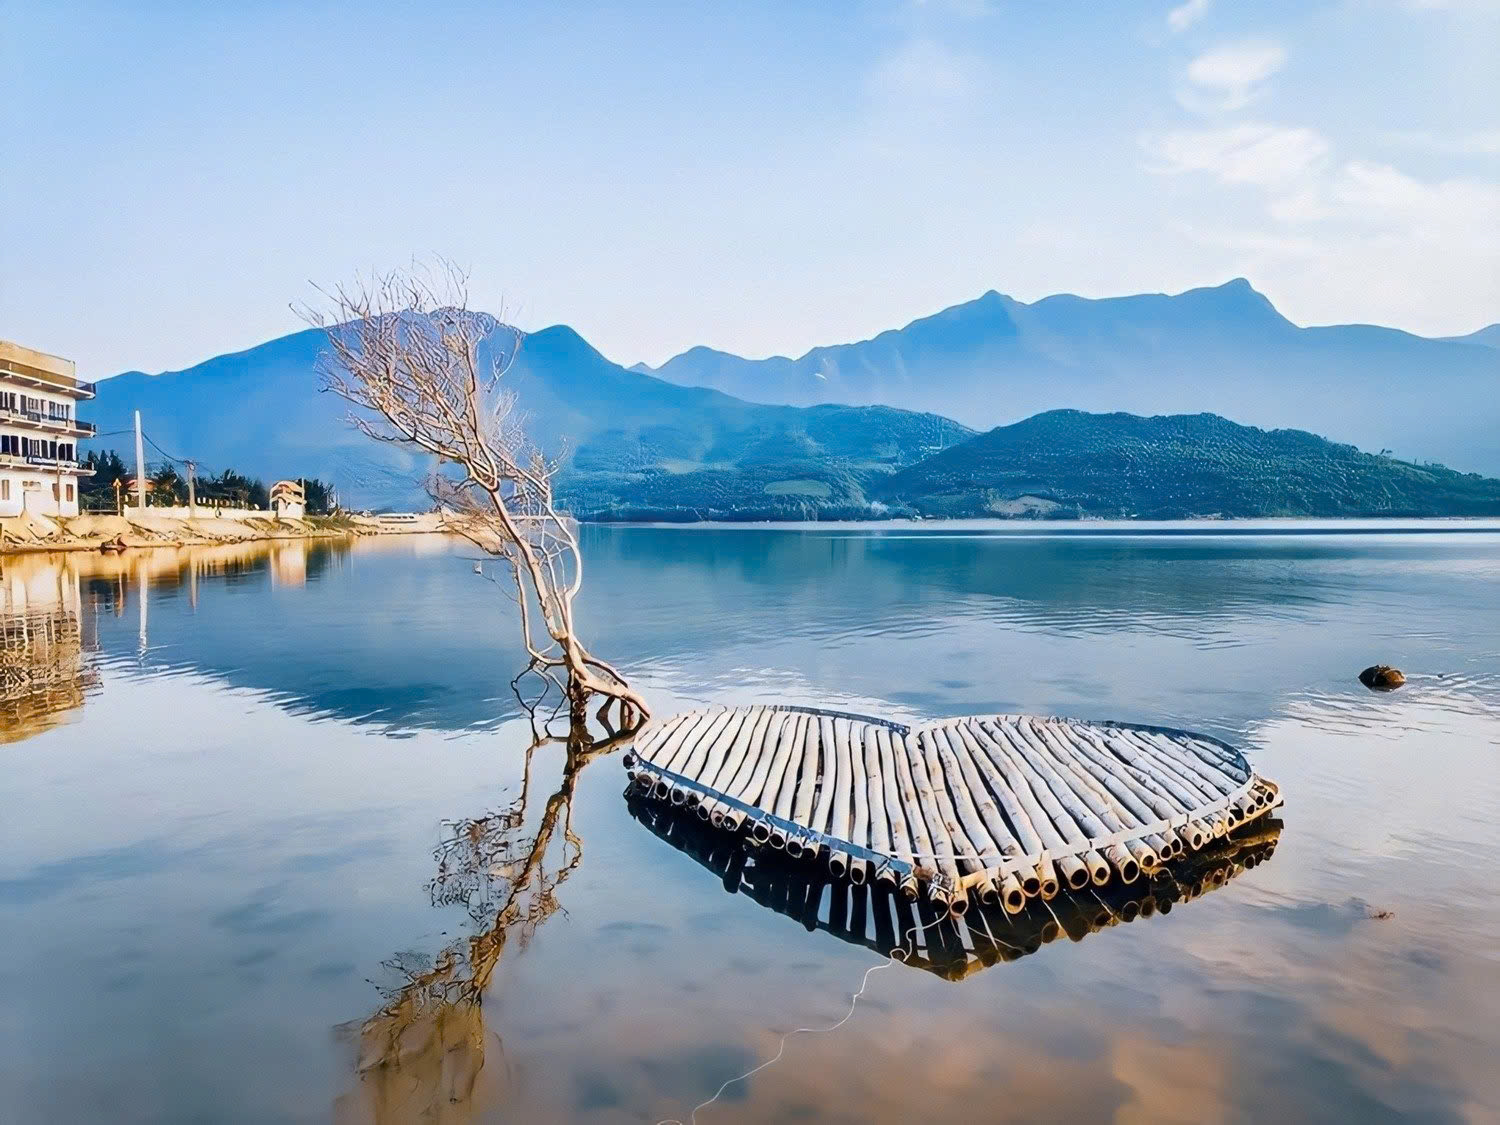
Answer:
(70, 493)
(54, 491)
(4, 490)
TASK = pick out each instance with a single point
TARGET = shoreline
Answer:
(21, 535)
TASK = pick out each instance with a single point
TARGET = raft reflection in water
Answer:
(889, 924)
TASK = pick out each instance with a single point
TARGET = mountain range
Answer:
(1224, 349)
(644, 445)
(633, 442)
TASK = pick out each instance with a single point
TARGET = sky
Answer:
(760, 177)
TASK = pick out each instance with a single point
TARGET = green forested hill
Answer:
(1069, 463)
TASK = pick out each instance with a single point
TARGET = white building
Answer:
(39, 433)
(288, 500)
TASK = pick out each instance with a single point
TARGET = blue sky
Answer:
(760, 177)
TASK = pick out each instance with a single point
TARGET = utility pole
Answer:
(140, 466)
(192, 494)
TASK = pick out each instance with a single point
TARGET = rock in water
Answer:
(1382, 677)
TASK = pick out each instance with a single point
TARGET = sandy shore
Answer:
(170, 529)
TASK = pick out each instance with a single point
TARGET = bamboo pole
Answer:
(1037, 815)
(1129, 858)
(965, 849)
(653, 735)
(671, 748)
(1107, 784)
(734, 757)
(1022, 833)
(1011, 894)
(900, 836)
(988, 848)
(1146, 770)
(958, 755)
(921, 839)
(1226, 761)
(1098, 864)
(1165, 766)
(1191, 764)
(806, 787)
(828, 786)
(777, 782)
(838, 861)
(694, 763)
(880, 829)
(1047, 885)
(675, 753)
(860, 826)
(941, 842)
(713, 760)
(788, 791)
(752, 777)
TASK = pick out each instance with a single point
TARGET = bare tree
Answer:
(408, 353)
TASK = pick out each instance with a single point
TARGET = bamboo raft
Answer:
(952, 948)
(998, 808)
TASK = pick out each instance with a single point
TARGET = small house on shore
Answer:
(288, 499)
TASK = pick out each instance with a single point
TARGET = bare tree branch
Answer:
(422, 370)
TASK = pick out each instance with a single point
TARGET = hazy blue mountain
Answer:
(259, 411)
(1224, 349)
(635, 443)
(1488, 336)
(1066, 463)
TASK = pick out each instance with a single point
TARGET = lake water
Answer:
(248, 794)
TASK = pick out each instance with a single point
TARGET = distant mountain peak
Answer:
(1223, 348)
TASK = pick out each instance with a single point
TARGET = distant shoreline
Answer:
(174, 528)
(1310, 525)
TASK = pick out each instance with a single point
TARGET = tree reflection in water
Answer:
(422, 1055)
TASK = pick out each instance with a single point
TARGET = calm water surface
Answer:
(254, 803)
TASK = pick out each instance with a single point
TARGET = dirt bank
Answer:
(87, 532)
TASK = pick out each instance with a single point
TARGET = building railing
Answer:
(38, 418)
(46, 381)
(15, 460)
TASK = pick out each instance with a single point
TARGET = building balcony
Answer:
(26, 367)
(44, 464)
(36, 420)
(40, 381)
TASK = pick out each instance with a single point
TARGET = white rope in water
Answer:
(894, 957)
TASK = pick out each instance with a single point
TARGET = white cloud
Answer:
(1226, 77)
(1478, 142)
(922, 71)
(1239, 154)
(1359, 240)
(963, 9)
(1378, 195)
(1184, 16)
(1484, 7)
